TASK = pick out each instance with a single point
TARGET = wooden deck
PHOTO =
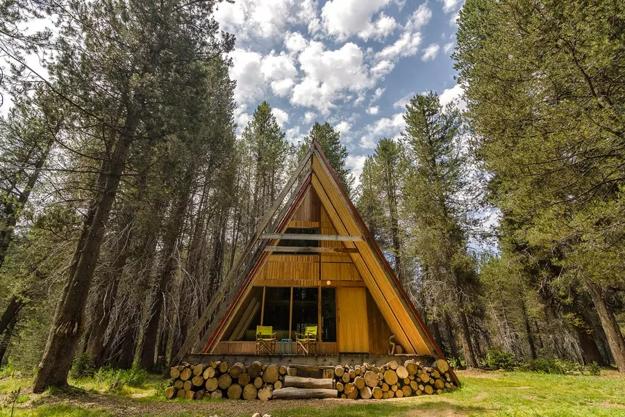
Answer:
(300, 361)
(282, 348)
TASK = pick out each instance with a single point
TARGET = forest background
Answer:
(126, 192)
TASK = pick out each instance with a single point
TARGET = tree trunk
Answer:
(609, 324)
(9, 317)
(68, 320)
(528, 329)
(6, 339)
(105, 298)
(467, 345)
(391, 194)
(146, 346)
(453, 349)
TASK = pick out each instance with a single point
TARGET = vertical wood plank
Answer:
(319, 321)
(353, 327)
(291, 314)
(262, 308)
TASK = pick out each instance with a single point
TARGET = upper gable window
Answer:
(301, 243)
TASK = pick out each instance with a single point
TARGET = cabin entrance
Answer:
(289, 311)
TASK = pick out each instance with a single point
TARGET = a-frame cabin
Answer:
(314, 262)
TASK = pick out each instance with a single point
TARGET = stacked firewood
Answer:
(393, 380)
(219, 379)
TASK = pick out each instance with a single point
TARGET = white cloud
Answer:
(329, 74)
(278, 67)
(406, 45)
(343, 127)
(295, 135)
(389, 127)
(450, 6)
(280, 71)
(419, 18)
(382, 68)
(449, 47)
(402, 102)
(377, 94)
(430, 53)
(254, 73)
(373, 110)
(295, 42)
(282, 88)
(453, 94)
(250, 19)
(355, 164)
(281, 116)
(246, 70)
(344, 18)
(310, 117)
(453, 20)
(241, 119)
(380, 29)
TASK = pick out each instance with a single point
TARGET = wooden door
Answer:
(352, 323)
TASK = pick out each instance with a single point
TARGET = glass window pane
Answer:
(300, 243)
(305, 308)
(328, 314)
(277, 306)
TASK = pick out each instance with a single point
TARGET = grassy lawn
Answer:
(510, 394)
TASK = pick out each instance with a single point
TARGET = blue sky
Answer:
(353, 63)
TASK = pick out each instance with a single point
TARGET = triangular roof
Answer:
(315, 172)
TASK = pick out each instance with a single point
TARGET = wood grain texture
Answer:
(352, 328)
(382, 289)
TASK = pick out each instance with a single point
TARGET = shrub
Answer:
(560, 366)
(594, 369)
(455, 362)
(500, 359)
(115, 379)
(82, 366)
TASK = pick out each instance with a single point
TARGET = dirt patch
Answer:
(477, 373)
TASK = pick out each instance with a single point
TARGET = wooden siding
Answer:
(339, 271)
(382, 291)
(301, 269)
(351, 312)
(378, 329)
(308, 209)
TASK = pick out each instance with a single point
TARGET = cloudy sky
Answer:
(353, 63)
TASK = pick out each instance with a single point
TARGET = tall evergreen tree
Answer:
(380, 198)
(330, 141)
(122, 64)
(432, 192)
(544, 90)
(265, 158)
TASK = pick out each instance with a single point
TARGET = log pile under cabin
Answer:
(393, 380)
(219, 379)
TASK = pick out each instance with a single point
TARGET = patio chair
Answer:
(265, 340)
(307, 342)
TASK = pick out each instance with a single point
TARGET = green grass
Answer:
(492, 394)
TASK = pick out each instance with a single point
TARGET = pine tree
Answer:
(265, 152)
(432, 191)
(543, 91)
(145, 56)
(380, 199)
(330, 141)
